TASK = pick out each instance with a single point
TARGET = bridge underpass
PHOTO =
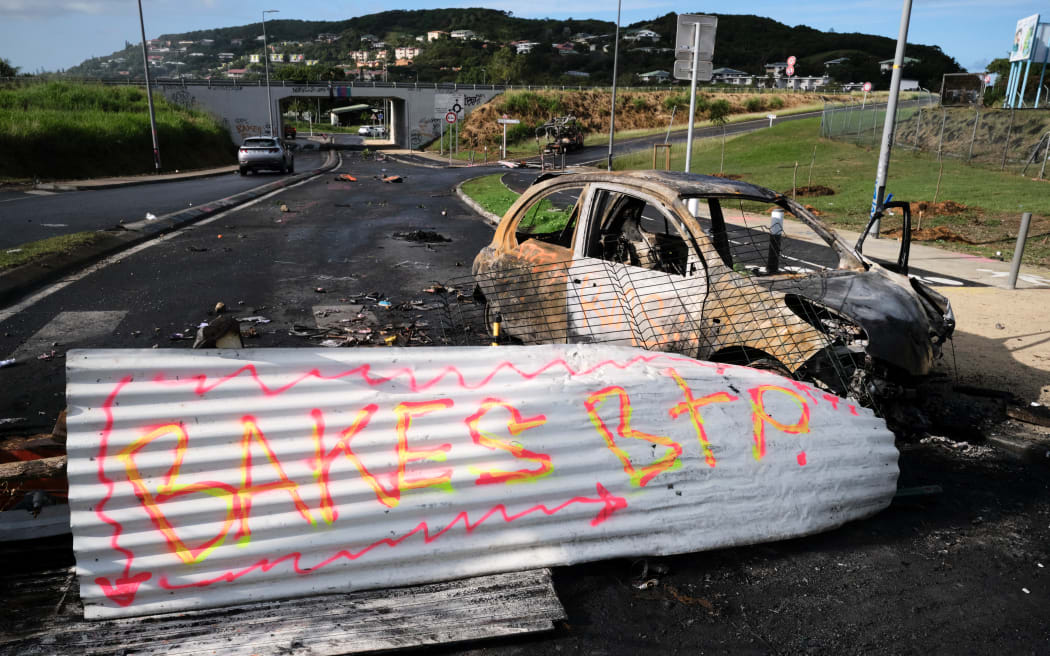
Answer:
(416, 114)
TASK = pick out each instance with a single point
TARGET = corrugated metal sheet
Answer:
(208, 478)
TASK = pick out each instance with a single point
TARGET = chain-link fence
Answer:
(1015, 140)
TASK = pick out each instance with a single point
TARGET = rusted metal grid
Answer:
(655, 303)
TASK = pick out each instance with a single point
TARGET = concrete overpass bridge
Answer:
(416, 111)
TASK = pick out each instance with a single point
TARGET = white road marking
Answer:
(70, 329)
(1027, 277)
(9, 312)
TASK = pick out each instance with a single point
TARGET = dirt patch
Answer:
(814, 190)
(727, 176)
(424, 236)
(943, 208)
(939, 233)
(812, 210)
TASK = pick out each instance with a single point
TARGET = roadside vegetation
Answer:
(490, 192)
(67, 130)
(974, 209)
(34, 250)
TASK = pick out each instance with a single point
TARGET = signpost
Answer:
(867, 88)
(771, 117)
(450, 118)
(505, 122)
(790, 70)
(694, 44)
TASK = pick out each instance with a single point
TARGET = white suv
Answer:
(372, 131)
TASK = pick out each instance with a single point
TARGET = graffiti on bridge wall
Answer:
(373, 461)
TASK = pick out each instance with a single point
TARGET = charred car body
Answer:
(706, 267)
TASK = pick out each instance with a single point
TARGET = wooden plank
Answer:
(27, 470)
(351, 623)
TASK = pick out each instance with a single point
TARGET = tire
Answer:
(284, 167)
(243, 171)
(769, 364)
(291, 168)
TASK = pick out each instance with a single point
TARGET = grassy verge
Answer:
(28, 252)
(67, 130)
(303, 128)
(490, 192)
(987, 222)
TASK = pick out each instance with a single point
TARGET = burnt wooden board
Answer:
(46, 618)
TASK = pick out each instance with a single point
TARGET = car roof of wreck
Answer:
(687, 184)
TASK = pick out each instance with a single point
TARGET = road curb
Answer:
(87, 186)
(474, 205)
(17, 282)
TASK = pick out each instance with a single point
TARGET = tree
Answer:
(718, 112)
(6, 69)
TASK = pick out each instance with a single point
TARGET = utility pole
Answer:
(616, 58)
(149, 95)
(266, 63)
(879, 196)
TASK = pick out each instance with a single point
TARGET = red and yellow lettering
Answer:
(170, 489)
(251, 435)
(759, 419)
(692, 406)
(516, 425)
(645, 474)
(323, 462)
(405, 412)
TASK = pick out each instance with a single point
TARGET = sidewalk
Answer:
(129, 180)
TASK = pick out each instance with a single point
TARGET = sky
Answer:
(51, 35)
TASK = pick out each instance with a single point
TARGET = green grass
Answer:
(67, 130)
(303, 128)
(767, 158)
(28, 252)
(490, 192)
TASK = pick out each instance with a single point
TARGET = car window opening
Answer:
(628, 230)
(552, 218)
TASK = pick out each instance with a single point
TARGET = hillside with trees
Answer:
(559, 52)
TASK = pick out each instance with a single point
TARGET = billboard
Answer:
(962, 89)
(1024, 38)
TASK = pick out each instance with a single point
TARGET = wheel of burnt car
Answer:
(769, 364)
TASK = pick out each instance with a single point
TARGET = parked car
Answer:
(706, 267)
(257, 153)
(372, 131)
(289, 132)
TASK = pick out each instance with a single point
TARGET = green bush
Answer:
(755, 104)
(639, 104)
(65, 130)
(776, 102)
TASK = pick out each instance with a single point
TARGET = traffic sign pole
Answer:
(692, 99)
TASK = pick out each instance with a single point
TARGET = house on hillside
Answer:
(226, 56)
(463, 34)
(564, 48)
(236, 73)
(655, 77)
(723, 75)
(802, 83)
(236, 42)
(434, 35)
(326, 37)
(207, 42)
(407, 52)
(524, 47)
(887, 64)
(641, 35)
(359, 55)
(776, 69)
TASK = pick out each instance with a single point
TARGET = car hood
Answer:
(904, 329)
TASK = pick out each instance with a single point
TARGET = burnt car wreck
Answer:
(709, 268)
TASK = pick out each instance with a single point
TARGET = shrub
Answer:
(755, 104)
(776, 102)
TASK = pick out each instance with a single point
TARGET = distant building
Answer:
(226, 56)
(801, 83)
(369, 37)
(524, 47)
(207, 42)
(326, 37)
(382, 54)
(655, 76)
(776, 69)
(887, 64)
(236, 42)
(580, 74)
(236, 73)
(641, 35)
(434, 35)
(359, 55)
(564, 48)
(406, 52)
(462, 34)
(835, 62)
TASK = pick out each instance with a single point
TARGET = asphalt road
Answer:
(955, 572)
(26, 217)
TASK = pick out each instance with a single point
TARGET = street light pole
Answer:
(612, 113)
(266, 63)
(149, 95)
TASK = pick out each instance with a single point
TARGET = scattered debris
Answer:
(320, 290)
(393, 178)
(934, 209)
(963, 448)
(220, 307)
(384, 304)
(14, 250)
(49, 355)
(224, 332)
(333, 343)
(424, 236)
(8, 363)
(814, 190)
(255, 319)
(347, 177)
(150, 216)
(284, 208)
(11, 420)
(1034, 414)
(812, 210)
(196, 249)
